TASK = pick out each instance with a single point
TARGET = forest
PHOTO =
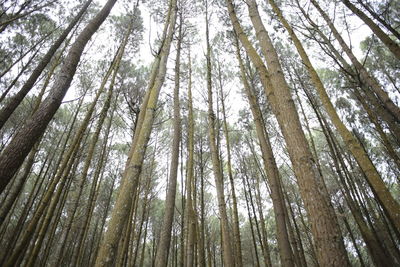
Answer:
(211, 133)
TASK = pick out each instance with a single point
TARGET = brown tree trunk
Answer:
(250, 219)
(190, 208)
(15, 152)
(236, 230)
(386, 40)
(227, 253)
(324, 225)
(165, 235)
(130, 179)
(270, 167)
(50, 198)
(13, 103)
(376, 251)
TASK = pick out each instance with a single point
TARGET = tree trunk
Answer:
(14, 154)
(130, 179)
(325, 229)
(270, 167)
(236, 230)
(228, 259)
(190, 208)
(386, 40)
(379, 188)
(13, 103)
(165, 238)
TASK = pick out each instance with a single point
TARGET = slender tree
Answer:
(270, 167)
(228, 258)
(14, 154)
(165, 238)
(15, 100)
(190, 203)
(107, 250)
(317, 203)
(379, 188)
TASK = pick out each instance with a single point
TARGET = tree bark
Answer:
(391, 207)
(15, 100)
(324, 225)
(270, 167)
(165, 238)
(227, 253)
(130, 179)
(14, 154)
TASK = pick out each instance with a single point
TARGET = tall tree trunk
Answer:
(250, 219)
(15, 152)
(264, 245)
(228, 259)
(190, 208)
(105, 214)
(42, 178)
(270, 167)
(201, 232)
(264, 236)
(379, 188)
(13, 103)
(375, 249)
(50, 197)
(324, 225)
(236, 230)
(130, 179)
(165, 238)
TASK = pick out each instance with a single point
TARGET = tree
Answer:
(14, 154)
(228, 259)
(165, 238)
(278, 152)
(310, 182)
(356, 148)
(13, 103)
(135, 160)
